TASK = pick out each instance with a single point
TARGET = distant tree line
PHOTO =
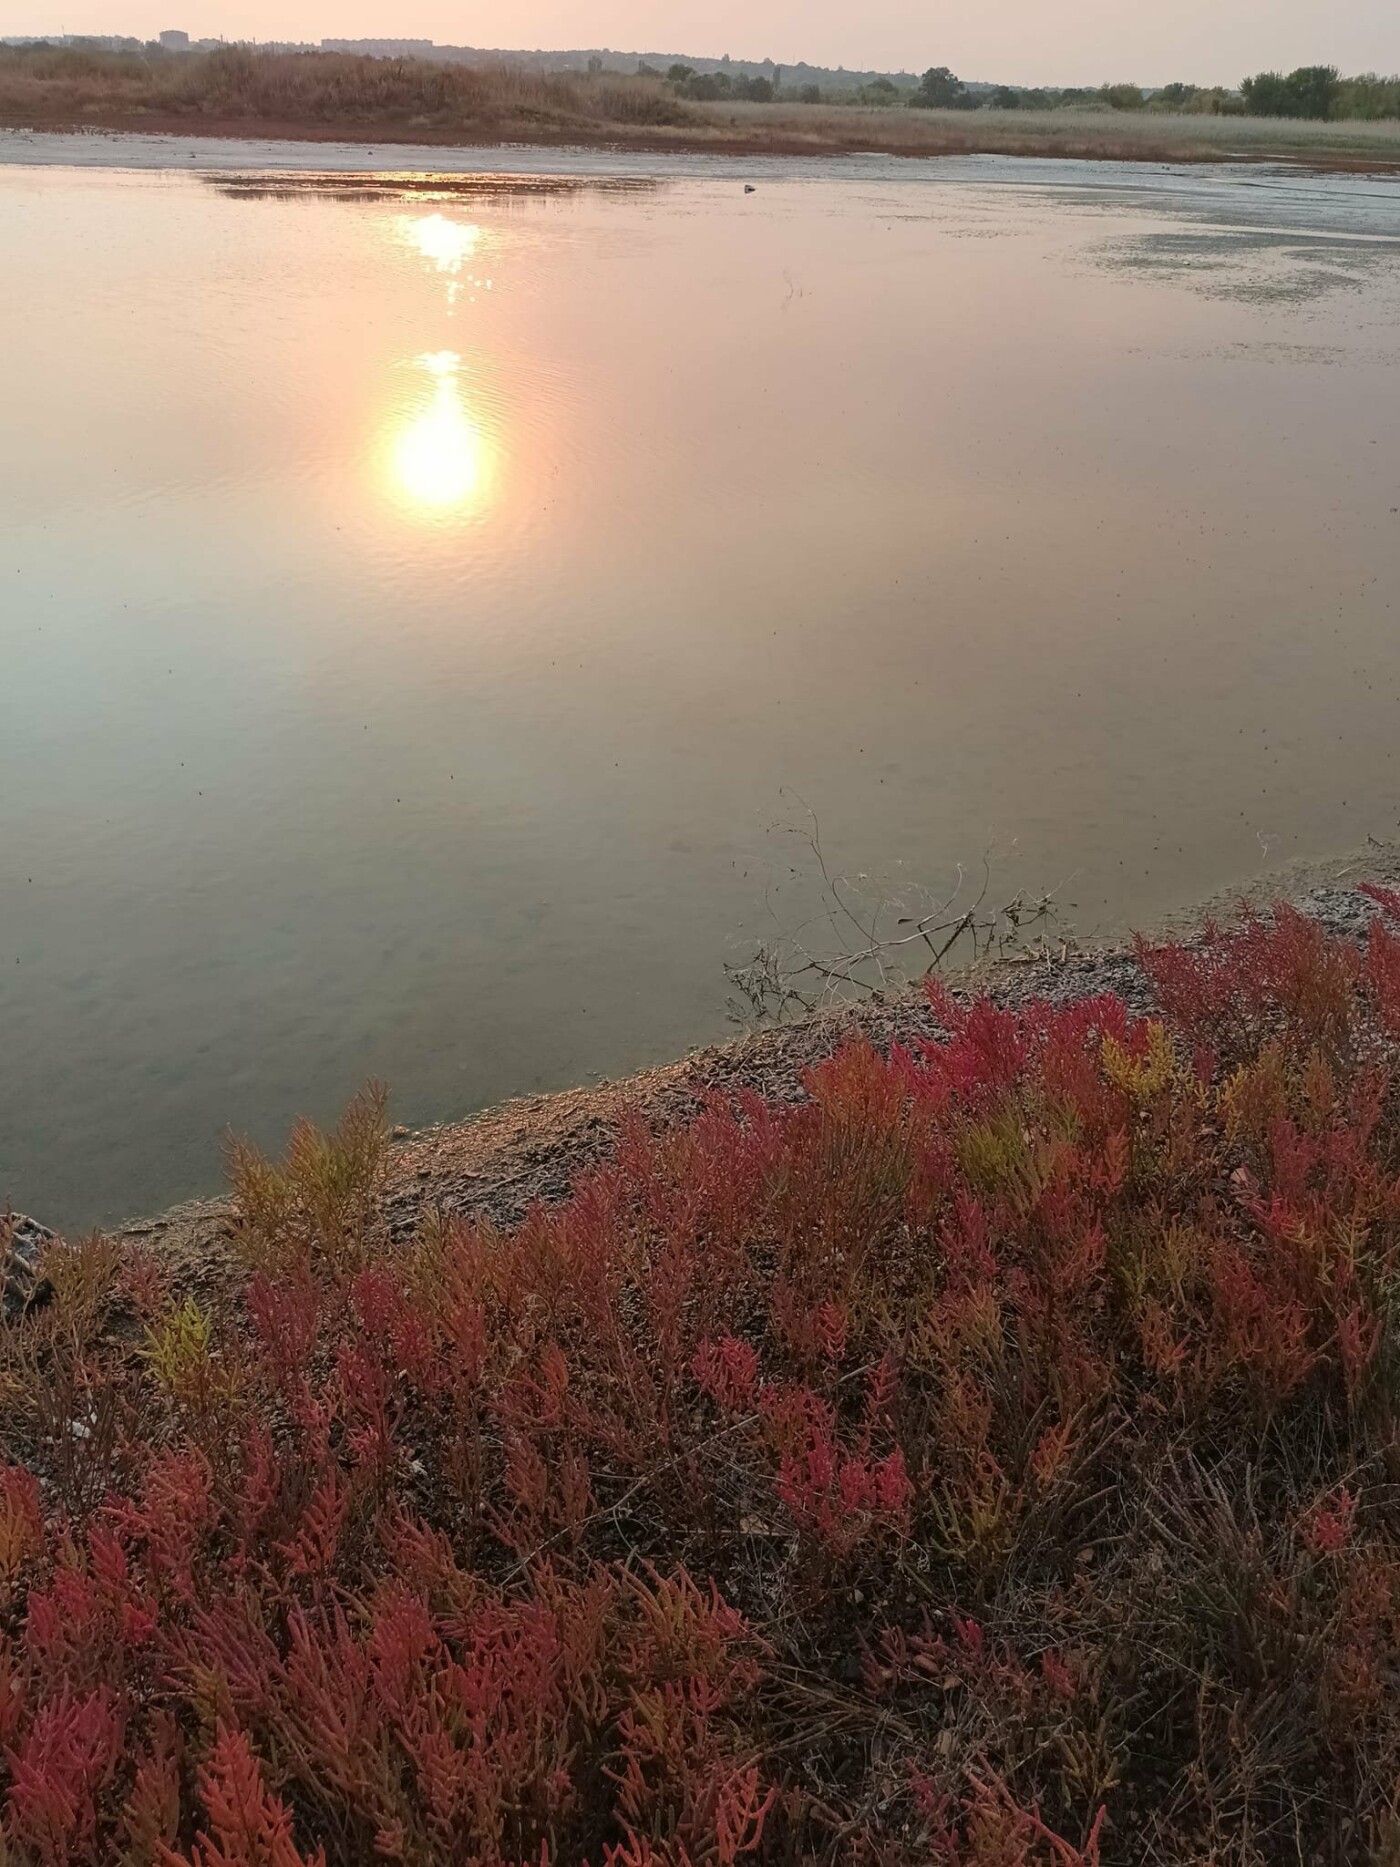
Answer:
(716, 87)
(1321, 92)
(941, 89)
(1317, 91)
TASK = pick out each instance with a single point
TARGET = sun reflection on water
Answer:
(438, 454)
(447, 244)
(440, 457)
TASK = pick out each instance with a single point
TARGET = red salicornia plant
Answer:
(991, 1459)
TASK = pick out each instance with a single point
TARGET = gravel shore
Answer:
(497, 1164)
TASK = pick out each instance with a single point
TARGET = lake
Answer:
(433, 612)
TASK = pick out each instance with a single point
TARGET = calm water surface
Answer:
(424, 611)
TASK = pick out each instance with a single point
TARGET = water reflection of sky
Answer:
(403, 682)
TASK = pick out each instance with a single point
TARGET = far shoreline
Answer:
(1084, 141)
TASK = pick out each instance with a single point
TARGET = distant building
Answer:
(174, 42)
(381, 48)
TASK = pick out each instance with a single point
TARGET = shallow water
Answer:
(428, 612)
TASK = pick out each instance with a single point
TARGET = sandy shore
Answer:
(499, 1163)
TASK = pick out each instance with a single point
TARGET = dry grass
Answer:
(43, 86)
(318, 95)
(1086, 134)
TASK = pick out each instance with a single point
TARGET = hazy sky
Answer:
(1025, 41)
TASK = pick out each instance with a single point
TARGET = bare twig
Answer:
(858, 946)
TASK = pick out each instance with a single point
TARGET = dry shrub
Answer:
(238, 82)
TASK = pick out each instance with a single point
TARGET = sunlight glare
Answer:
(439, 457)
(447, 244)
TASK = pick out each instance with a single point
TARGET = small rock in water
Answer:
(22, 1241)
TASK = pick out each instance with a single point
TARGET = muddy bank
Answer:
(650, 141)
(497, 1164)
(1090, 144)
